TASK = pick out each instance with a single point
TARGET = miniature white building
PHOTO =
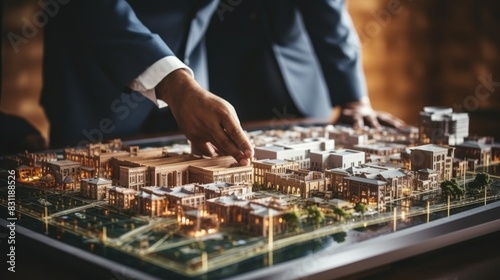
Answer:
(219, 189)
(299, 152)
(439, 125)
(320, 161)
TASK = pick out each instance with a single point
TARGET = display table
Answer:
(55, 247)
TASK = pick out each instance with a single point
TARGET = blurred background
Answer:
(416, 53)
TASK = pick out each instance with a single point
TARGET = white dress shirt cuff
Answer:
(146, 82)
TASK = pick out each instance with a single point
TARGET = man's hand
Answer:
(360, 113)
(208, 121)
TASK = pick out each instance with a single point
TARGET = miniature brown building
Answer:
(298, 182)
(120, 197)
(94, 188)
(252, 214)
(433, 157)
(471, 150)
(96, 158)
(150, 204)
(426, 180)
(261, 167)
(178, 170)
(62, 169)
(368, 191)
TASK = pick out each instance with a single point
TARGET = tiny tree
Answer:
(339, 213)
(451, 188)
(361, 208)
(292, 220)
(314, 215)
(482, 180)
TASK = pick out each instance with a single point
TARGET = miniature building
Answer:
(261, 167)
(347, 137)
(120, 197)
(312, 132)
(28, 165)
(433, 157)
(495, 152)
(136, 172)
(426, 179)
(232, 174)
(199, 222)
(337, 203)
(224, 207)
(381, 149)
(295, 151)
(407, 136)
(150, 204)
(460, 167)
(396, 183)
(250, 214)
(62, 169)
(96, 158)
(337, 175)
(438, 125)
(368, 191)
(219, 189)
(133, 177)
(298, 182)
(320, 161)
(474, 150)
(184, 196)
(259, 219)
(94, 188)
(26, 173)
(283, 153)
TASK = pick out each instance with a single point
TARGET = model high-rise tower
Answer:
(439, 125)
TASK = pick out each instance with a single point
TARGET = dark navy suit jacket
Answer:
(296, 53)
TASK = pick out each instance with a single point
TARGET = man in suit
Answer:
(110, 67)
(302, 57)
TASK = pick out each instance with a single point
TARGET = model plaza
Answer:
(193, 215)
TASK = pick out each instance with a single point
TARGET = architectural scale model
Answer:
(194, 216)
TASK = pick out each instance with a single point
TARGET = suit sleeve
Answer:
(337, 47)
(114, 36)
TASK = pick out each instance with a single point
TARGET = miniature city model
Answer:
(195, 216)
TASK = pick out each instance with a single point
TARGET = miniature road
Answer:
(76, 209)
(140, 230)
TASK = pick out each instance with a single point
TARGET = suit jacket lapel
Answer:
(195, 52)
(295, 57)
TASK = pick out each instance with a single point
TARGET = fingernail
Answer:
(243, 162)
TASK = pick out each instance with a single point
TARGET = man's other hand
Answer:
(360, 113)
